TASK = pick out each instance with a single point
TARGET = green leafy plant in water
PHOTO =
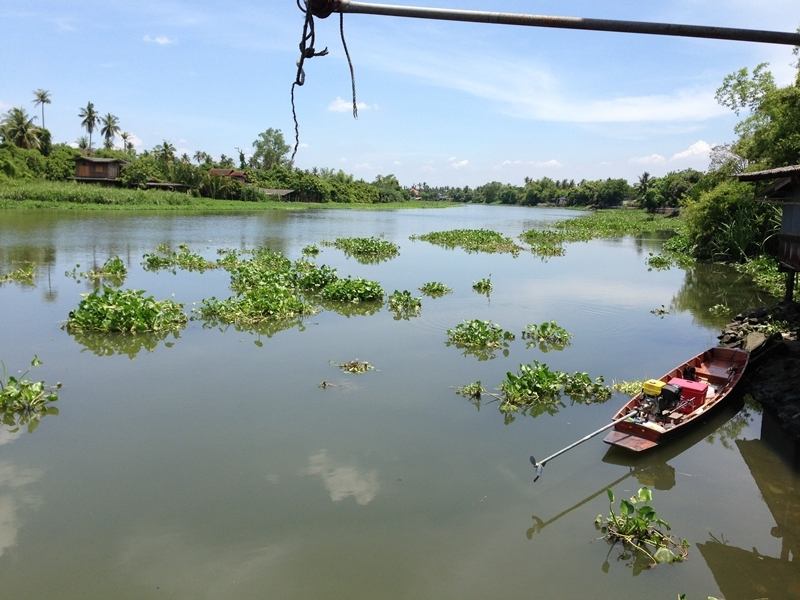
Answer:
(353, 290)
(310, 250)
(113, 272)
(366, 250)
(629, 388)
(255, 306)
(355, 367)
(547, 336)
(312, 278)
(720, 310)
(660, 311)
(404, 305)
(659, 262)
(536, 383)
(483, 286)
(471, 240)
(166, 258)
(434, 289)
(639, 528)
(480, 338)
(25, 402)
(24, 275)
(125, 311)
(472, 390)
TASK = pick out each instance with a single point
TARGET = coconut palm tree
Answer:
(17, 128)
(83, 143)
(165, 151)
(89, 121)
(127, 145)
(110, 129)
(40, 98)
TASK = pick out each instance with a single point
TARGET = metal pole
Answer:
(322, 8)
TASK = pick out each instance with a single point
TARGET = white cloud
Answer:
(342, 105)
(161, 40)
(135, 140)
(458, 164)
(651, 159)
(539, 164)
(700, 149)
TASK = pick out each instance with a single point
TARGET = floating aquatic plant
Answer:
(366, 250)
(166, 258)
(255, 306)
(483, 286)
(404, 305)
(641, 530)
(353, 290)
(471, 240)
(25, 402)
(113, 272)
(536, 383)
(125, 311)
(24, 275)
(659, 262)
(629, 388)
(434, 289)
(355, 366)
(480, 338)
(310, 250)
(472, 390)
(547, 336)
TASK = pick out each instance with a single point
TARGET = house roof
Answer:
(791, 170)
(97, 159)
(226, 172)
(280, 193)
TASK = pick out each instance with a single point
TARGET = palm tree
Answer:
(40, 98)
(18, 128)
(165, 151)
(90, 120)
(110, 129)
(83, 143)
(127, 145)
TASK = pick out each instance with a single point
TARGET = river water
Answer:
(212, 465)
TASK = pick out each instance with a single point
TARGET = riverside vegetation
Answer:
(25, 402)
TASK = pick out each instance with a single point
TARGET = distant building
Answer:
(97, 170)
(285, 195)
(414, 193)
(234, 174)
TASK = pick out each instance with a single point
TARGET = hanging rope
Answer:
(312, 8)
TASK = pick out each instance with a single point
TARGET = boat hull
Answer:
(720, 368)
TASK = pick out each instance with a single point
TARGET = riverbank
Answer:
(774, 379)
(80, 196)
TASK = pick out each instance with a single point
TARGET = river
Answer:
(212, 464)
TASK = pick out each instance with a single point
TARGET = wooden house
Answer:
(234, 174)
(783, 187)
(98, 170)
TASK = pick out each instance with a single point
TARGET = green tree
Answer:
(202, 157)
(127, 144)
(110, 128)
(269, 149)
(40, 98)
(17, 128)
(645, 194)
(89, 120)
(165, 152)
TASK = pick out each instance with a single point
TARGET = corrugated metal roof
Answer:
(97, 159)
(281, 193)
(770, 173)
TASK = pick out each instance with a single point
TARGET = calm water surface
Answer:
(211, 465)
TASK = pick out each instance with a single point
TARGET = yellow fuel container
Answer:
(652, 387)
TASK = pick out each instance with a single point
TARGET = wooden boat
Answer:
(650, 423)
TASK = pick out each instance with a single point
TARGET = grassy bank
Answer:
(34, 194)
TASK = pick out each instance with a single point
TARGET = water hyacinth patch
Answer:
(471, 240)
(629, 388)
(310, 250)
(353, 290)
(404, 305)
(24, 275)
(25, 402)
(641, 530)
(166, 258)
(356, 367)
(435, 289)
(547, 336)
(125, 311)
(255, 306)
(113, 272)
(366, 250)
(472, 390)
(483, 286)
(480, 338)
(536, 383)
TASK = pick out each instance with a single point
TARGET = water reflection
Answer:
(14, 497)
(344, 481)
(747, 573)
(129, 344)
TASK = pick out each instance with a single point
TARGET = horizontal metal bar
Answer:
(472, 16)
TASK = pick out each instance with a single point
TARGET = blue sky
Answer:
(445, 103)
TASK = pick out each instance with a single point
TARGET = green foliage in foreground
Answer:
(537, 384)
(367, 250)
(640, 530)
(766, 275)
(629, 388)
(24, 275)
(480, 338)
(127, 311)
(471, 240)
(434, 289)
(25, 402)
(404, 305)
(597, 224)
(547, 336)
